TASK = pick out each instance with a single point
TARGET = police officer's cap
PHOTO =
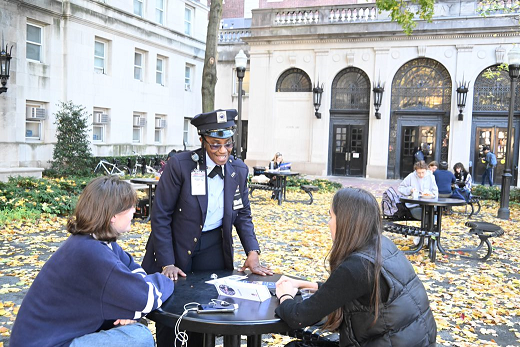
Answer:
(218, 123)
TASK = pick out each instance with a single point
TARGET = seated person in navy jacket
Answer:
(91, 292)
(444, 179)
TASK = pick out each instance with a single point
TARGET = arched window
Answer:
(492, 90)
(422, 84)
(350, 90)
(294, 80)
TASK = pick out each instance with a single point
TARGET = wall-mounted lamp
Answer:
(317, 91)
(240, 64)
(462, 93)
(378, 97)
(5, 66)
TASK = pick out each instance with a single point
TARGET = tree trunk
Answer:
(209, 74)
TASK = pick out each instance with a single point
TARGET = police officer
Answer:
(200, 196)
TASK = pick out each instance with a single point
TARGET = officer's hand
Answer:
(253, 263)
(173, 272)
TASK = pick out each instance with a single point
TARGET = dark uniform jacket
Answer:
(405, 319)
(178, 216)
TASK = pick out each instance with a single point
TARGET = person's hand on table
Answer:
(124, 322)
(253, 263)
(172, 272)
(285, 288)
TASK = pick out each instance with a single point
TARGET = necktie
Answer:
(217, 170)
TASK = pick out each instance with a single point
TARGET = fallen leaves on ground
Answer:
(474, 303)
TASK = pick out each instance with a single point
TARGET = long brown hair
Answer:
(102, 199)
(358, 225)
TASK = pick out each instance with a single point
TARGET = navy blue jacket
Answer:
(178, 216)
(444, 180)
(81, 287)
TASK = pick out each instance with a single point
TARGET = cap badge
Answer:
(221, 117)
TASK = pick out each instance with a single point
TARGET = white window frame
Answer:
(188, 77)
(37, 122)
(103, 58)
(159, 132)
(159, 74)
(245, 82)
(39, 44)
(139, 68)
(140, 129)
(139, 11)
(103, 127)
(188, 22)
(186, 138)
(159, 11)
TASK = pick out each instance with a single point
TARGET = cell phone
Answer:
(207, 308)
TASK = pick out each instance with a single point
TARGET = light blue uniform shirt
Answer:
(215, 211)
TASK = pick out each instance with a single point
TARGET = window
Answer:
(99, 57)
(351, 90)
(186, 133)
(138, 7)
(138, 66)
(294, 80)
(34, 42)
(245, 83)
(139, 123)
(159, 11)
(34, 118)
(160, 124)
(99, 124)
(187, 77)
(159, 72)
(188, 14)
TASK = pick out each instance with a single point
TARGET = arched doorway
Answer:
(491, 100)
(348, 132)
(420, 115)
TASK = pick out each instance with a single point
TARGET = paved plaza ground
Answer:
(474, 303)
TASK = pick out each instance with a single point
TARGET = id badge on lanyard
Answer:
(198, 182)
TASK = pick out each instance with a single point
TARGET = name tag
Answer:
(198, 182)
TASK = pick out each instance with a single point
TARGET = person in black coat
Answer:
(201, 195)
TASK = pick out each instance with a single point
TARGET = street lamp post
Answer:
(240, 64)
(514, 72)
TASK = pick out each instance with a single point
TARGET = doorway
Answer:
(348, 154)
(496, 138)
(414, 137)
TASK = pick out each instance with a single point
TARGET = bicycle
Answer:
(108, 168)
(140, 166)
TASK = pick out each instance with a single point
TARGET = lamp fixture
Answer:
(5, 65)
(317, 91)
(378, 97)
(240, 65)
(462, 94)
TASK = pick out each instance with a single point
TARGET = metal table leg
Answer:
(231, 340)
(209, 340)
(150, 192)
(254, 341)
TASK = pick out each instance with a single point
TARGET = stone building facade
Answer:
(135, 66)
(349, 49)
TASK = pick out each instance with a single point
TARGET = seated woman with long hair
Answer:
(373, 296)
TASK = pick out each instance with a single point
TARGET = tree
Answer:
(209, 73)
(403, 12)
(72, 154)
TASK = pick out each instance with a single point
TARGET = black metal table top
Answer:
(433, 201)
(149, 181)
(251, 317)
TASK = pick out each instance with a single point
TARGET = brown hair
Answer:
(433, 163)
(358, 226)
(420, 165)
(102, 199)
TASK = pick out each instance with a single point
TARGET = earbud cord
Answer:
(181, 336)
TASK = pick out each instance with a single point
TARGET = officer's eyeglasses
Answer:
(217, 146)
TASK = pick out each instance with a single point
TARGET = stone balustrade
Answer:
(233, 35)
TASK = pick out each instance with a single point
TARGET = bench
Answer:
(260, 186)
(484, 231)
(408, 230)
(309, 189)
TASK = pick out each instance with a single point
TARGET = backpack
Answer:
(392, 207)
(419, 155)
(461, 193)
(493, 160)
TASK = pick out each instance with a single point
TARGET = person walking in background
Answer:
(444, 179)
(373, 296)
(91, 292)
(490, 160)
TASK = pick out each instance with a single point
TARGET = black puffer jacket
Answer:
(405, 319)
